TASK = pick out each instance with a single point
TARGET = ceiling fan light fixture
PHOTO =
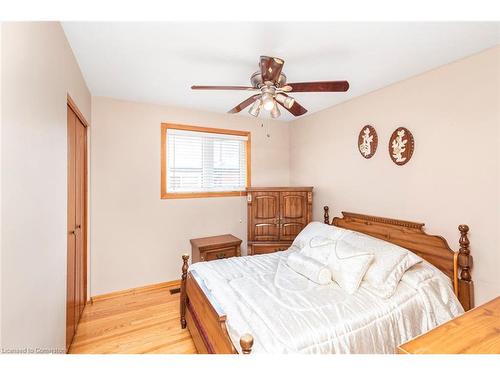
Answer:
(286, 101)
(275, 112)
(255, 108)
(267, 101)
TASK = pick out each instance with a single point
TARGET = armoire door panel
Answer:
(293, 219)
(266, 206)
(266, 232)
(265, 211)
(293, 205)
(289, 230)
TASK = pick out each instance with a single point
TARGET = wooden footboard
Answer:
(204, 318)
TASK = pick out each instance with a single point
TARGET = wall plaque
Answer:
(367, 141)
(401, 146)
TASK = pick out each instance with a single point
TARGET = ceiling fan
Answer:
(271, 82)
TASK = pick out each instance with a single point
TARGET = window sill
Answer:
(203, 194)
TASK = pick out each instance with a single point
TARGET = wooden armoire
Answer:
(275, 216)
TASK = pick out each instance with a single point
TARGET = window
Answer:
(203, 162)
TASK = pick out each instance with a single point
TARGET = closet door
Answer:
(265, 216)
(76, 229)
(80, 235)
(71, 243)
(293, 213)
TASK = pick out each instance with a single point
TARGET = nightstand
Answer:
(216, 247)
(475, 332)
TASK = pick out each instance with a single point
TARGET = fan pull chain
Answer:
(268, 135)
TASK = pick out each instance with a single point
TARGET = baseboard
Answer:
(137, 290)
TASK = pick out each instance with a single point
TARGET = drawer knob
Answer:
(221, 255)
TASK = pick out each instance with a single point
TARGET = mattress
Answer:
(287, 313)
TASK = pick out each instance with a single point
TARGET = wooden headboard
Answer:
(411, 236)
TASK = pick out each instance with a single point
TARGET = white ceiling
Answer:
(158, 62)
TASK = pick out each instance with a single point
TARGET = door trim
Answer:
(78, 113)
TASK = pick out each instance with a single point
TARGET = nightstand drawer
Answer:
(226, 252)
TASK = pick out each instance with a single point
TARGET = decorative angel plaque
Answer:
(401, 146)
(367, 141)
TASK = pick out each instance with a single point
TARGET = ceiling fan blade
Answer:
(245, 103)
(322, 86)
(296, 109)
(270, 68)
(247, 88)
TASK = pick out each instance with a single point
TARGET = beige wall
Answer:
(137, 238)
(38, 69)
(453, 177)
(1, 26)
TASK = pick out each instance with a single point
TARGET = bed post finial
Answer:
(246, 343)
(185, 266)
(464, 258)
(465, 283)
(326, 216)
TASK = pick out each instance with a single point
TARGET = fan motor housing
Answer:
(256, 80)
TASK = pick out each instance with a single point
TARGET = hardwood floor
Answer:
(140, 322)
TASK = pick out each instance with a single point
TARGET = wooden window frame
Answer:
(205, 194)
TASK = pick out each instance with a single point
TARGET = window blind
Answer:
(205, 162)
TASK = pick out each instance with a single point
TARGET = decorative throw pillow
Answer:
(310, 268)
(349, 265)
(319, 248)
(315, 229)
(390, 262)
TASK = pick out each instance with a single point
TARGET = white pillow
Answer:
(389, 264)
(310, 268)
(319, 248)
(348, 265)
(317, 229)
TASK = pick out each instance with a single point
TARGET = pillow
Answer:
(315, 228)
(310, 268)
(390, 262)
(319, 248)
(349, 265)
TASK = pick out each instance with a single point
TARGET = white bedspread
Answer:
(287, 313)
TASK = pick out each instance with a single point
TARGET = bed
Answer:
(271, 311)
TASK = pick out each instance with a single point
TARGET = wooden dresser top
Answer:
(280, 188)
(215, 241)
(477, 331)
